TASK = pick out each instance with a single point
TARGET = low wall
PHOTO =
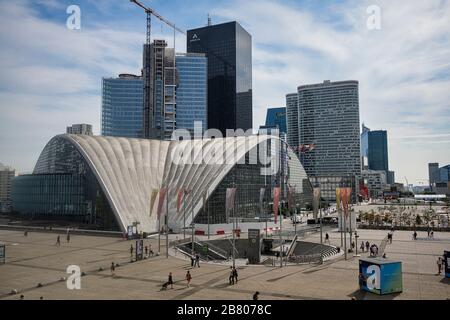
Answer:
(403, 228)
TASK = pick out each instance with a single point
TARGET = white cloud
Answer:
(403, 69)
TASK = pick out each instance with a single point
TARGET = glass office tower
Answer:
(191, 91)
(276, 117)
(292, 120)
(328, 116)
(228, 48)
(122, 106)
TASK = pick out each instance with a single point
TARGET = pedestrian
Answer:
(113, 269)
(362, 246)
(415, 235)
(384, 256)
(192, 261)
(235, 275)
(367, 245)
(197, 260)
(170, 281)
(68, 237)
(231, 277)
(439, 264)
(146, 251)
(131, 250)
(25, 233)
(22, 297)
(327, 238)
(58, 241)
(353, 245)
(432, 234)
(188, 278)
(256, 295)
(428, 232)
(150, 250)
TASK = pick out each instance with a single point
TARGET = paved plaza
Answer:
(36, 259)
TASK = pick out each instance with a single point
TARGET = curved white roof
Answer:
(131, 170)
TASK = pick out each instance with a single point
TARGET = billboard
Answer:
(447, 263)
(380, 276)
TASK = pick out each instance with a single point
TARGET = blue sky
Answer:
(51, 76)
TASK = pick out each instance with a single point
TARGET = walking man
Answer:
(68, 237)
(197, 260)
(327, 238)
(58, 241)
(231, 277)
(113, 269)
(367, 245)
(362, 246)
(439, 264)
(235, 275)
(170, 281)
(188, 278)
(192, 261)
(146, 251)
(256, 295)
(131, 251)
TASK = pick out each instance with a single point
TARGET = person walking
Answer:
(197, 260)
(68, 237)
(256, 295)
(25, 233)
(362, 246)
(415, 235)
(113, 269)
(131, 251)
(146, 251)
(188, 278)
(170, 280)
(439, 264)
(432, 234)
(231, 276)
(235, 275)
(367, 245)
(58, 241)
(192, 261)
(327, 238)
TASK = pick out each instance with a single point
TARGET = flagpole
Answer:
(184, 214)
(167, 223)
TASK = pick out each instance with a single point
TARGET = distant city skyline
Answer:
(51, 76)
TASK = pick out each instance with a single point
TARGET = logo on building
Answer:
(195, 38)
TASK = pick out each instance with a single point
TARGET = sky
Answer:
(51, 75)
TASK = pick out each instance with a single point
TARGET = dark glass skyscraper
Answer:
(276, 117)
(228, 48)
(374, 147)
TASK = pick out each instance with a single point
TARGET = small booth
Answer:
(380, 276)
(447, 263)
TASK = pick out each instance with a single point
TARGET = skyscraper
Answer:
(228, 48)
(374, 151)
(328, 116)
(81, 128)
(122, 106)
(159, 91)
(191, 103)
(433, 173)
(292, 120)
(276, 117)
(6, 175)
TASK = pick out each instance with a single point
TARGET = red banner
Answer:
(276, 200)
(345, 195)
(162, 195)
(179, 198)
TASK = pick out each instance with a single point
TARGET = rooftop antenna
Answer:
(209, 20)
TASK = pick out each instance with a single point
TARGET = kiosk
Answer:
(380, 276)
(447, 263)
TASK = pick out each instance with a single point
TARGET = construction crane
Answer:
(151, 12)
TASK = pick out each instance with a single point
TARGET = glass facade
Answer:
(247, 179)
(292, 120)
(276, 117)
(378, 151)
(191, 91)
(328, 115)
(122, 100)
(62, 186)
(228, 49)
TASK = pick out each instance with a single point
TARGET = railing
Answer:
(307, 258)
